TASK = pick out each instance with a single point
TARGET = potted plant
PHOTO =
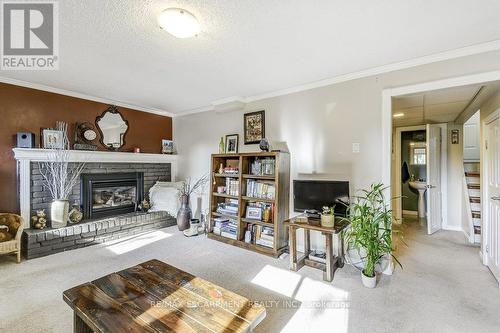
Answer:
(327, 217)
(371, 231)
(59, 177)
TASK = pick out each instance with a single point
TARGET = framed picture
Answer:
(454, 137)
(254, 213)
(167, 147)
(254, 127)
(52, 139)
(232, 143)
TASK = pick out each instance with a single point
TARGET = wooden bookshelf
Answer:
(279, 178)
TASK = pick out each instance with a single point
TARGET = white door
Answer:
(433, 193)
(493, 199)
(472, 138)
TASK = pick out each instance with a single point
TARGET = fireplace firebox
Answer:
(110, 194)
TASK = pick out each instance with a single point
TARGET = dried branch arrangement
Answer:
(188, 188)
(59, 176)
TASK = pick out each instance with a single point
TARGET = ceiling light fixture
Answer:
(398, 115)
(179, 22)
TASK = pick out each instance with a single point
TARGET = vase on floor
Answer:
(59, 213)
(184, 213)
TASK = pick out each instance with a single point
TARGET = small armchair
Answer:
(11, 229)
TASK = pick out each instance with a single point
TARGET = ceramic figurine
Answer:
(39, 221)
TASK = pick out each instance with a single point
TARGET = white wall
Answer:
(455, 166)
(319, 125)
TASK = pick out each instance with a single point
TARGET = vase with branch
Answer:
(59, 176)
(187, 188)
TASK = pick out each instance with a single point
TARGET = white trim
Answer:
(452, 228)
(38, 155)
(484, 176)
(396, 181)
(444, 176)
(436, 57)
(71, 93)
(387, 95)
(24, 157)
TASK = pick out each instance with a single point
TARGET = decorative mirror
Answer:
(113, 128)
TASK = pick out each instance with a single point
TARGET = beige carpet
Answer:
(443, 287)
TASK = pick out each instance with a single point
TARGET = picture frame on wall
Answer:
(455, 134)
(254, 125)
(52, 139)
(167, 146)
(232, 141)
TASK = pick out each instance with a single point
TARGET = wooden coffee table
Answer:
(156, 297)
(333, 261)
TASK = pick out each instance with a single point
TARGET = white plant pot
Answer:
(59, 213)
(327, 221)
(368, 282)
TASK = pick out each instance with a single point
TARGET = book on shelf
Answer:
(261, 235)
(232, 187)
(228, 207)
(263, 167)
(225, 227)
(260, 189)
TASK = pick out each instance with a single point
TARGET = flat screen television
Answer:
(314, 194)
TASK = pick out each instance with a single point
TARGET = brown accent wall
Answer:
(29, 110)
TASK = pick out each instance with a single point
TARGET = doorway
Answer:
(453, 135)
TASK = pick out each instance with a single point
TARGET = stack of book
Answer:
(230, 229)
(219, 222)
(261, 235)
(229, 207)
(232, 187)
(260, 189)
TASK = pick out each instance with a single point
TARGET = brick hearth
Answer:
(39, 243)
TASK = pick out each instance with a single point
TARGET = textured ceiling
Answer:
(113, 49)
(441, 106)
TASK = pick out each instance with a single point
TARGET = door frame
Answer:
(389, 93)
(396, 181)
(484, 184)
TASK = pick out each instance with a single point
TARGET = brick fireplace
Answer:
(110, 188)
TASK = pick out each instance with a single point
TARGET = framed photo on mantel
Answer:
(254, 127)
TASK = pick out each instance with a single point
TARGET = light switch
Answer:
(355, 147)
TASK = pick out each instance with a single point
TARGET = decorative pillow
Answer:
(164, 196)
(12, 222)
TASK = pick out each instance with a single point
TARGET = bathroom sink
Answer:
(418, 185)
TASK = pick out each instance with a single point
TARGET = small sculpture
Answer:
(144, 205)
(39, 221)
(75, 215)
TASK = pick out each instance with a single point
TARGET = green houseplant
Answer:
(371, 231)
(328, 217)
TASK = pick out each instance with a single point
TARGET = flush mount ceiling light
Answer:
(179, 22)
(398, 115)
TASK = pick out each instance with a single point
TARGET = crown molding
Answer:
(436, 57)
(71, 93)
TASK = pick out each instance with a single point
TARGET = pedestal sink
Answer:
(420, 187)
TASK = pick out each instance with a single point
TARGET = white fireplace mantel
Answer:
(24, 157)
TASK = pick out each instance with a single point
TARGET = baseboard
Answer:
(410, 212)
(452, 228)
